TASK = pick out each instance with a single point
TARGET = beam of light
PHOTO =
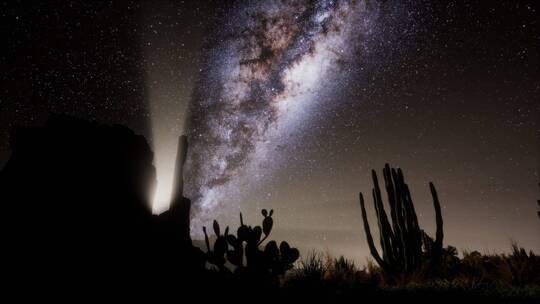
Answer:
(170, 74)
(270, 64)
(167, 110)
(163, 158)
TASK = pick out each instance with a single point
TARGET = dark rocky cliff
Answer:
(75, 200)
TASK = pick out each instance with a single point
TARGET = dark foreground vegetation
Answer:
(76, 219)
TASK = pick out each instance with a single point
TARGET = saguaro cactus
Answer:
(401, 239)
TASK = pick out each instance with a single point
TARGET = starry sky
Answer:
(289, 105)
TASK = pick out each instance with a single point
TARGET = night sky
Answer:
(289, 105)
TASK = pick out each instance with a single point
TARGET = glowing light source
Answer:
(164, 163)
(170, 74)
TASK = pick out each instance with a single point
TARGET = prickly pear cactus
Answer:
(216, 255)
(244, 250)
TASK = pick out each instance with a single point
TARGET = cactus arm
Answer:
(386, 234)
(414, 234)
(206, 241)
(262, 240)
(438, 220)
(391, 191)
(394, 200)
(369, 237)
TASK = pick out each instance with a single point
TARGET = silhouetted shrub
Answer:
(475, 276)
(312, 267)
(517, 269)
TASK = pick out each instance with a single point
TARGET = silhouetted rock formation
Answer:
(76, 202)
(176, 220)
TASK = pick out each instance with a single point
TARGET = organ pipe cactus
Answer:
(401, 239)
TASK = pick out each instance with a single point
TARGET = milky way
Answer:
(267, 66)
